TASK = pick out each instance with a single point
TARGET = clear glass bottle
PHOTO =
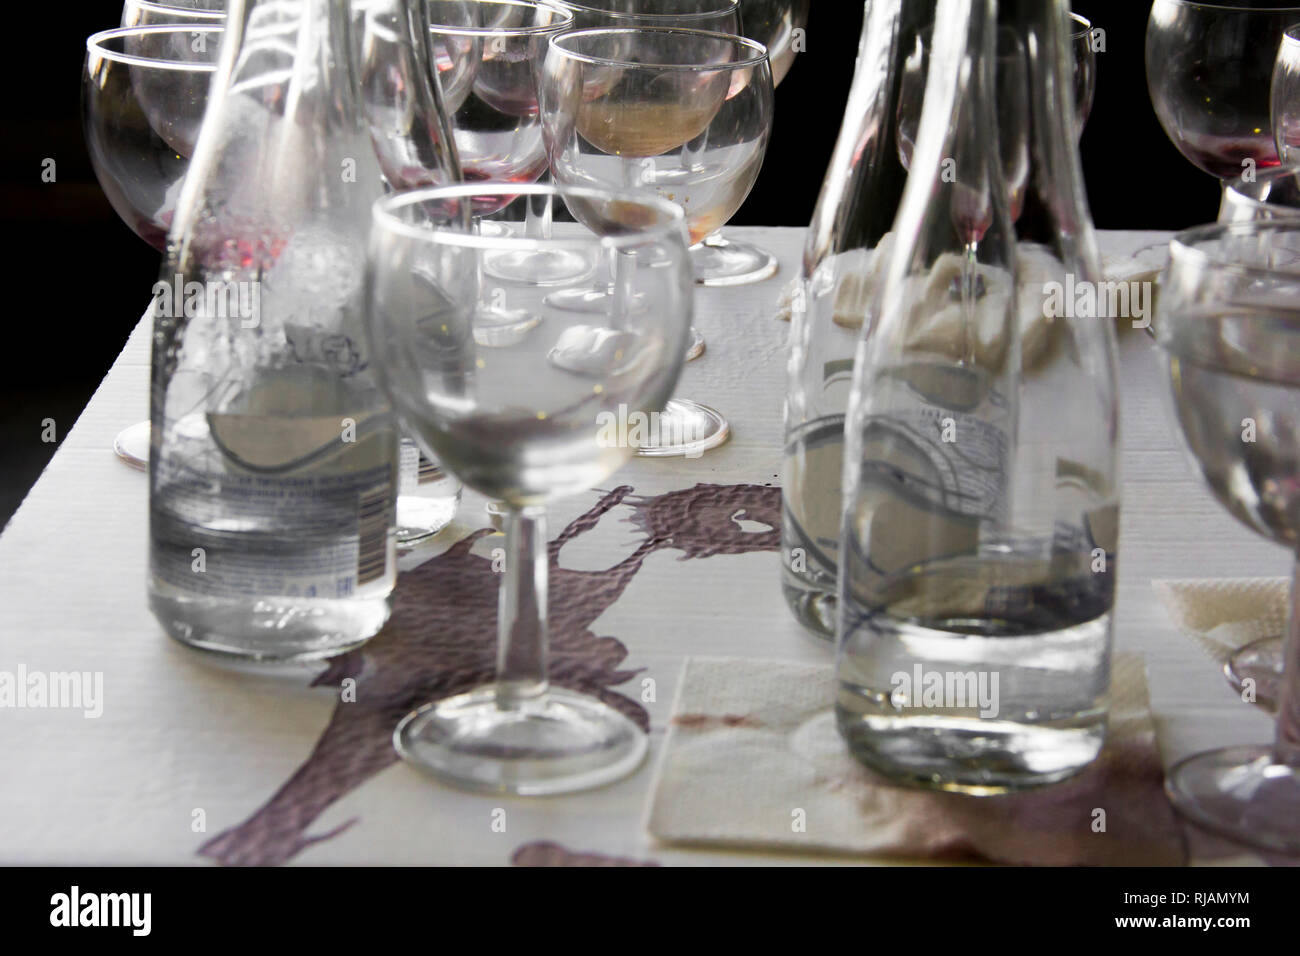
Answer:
(412, 134)
(273, 469)
(981, 499)
(847, 246)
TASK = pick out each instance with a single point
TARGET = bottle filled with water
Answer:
(274, 468)
(832, 300)
(977, 558)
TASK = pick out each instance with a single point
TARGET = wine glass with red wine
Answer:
(1209, 68)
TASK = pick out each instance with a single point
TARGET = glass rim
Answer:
(384, 215)
(1187, 245)
(1083, 24)
(758, 50)
(197, 12)
(95, 45)
(1292, 33)
(463, 31)
(732, 6)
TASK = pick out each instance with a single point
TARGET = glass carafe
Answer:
(274, 460)
(977, 570)
(846, 250)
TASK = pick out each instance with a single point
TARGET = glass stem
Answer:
(538, 217)
(1286, 748)
(521, 613)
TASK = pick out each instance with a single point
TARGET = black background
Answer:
(80, 279)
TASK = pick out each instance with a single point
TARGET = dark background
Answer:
(83, 279)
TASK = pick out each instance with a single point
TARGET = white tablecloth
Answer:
(177, 736)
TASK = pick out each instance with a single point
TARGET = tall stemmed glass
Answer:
(143, 93)
(1271, 194)
(489, 72)
(1284, 96)
(777, 25)
(621, 106)
(1209, 83)
(519, 428)
(1231, 329)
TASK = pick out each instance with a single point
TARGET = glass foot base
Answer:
(720, 262)
(1240, 793)
(132, 445)
(1261, 663)
(588, 301)
(547, 267)
(695, 346)
(558, 743)
(420, 518)
(500, 328)
(686, 430)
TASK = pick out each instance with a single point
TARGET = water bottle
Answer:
(274, 463)
(977, 559)
(846, 250)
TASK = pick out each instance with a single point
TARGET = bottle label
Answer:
(252, 535)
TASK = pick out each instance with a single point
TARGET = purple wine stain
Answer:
(547, 853)
(441, 640)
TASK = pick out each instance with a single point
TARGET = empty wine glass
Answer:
(620, 107)
(143, 93)
(522, 429)
(147, 13)
(1209, 83)
(1284, 96)
(1230, 327)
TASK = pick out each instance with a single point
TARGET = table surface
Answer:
(178, 736)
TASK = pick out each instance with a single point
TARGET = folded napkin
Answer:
(753, 754)
(1224, 614)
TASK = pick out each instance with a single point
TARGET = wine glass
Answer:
(621, 107)
(1284, 96)
(143, 94)
(776, 24)
(1268, 195)
(148, 13)
(519, 428)
(1012, 106)
(1230, 328)
(489, 71)
(718, 261)
(1209, 83)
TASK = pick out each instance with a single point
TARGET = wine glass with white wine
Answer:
(683, 114)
